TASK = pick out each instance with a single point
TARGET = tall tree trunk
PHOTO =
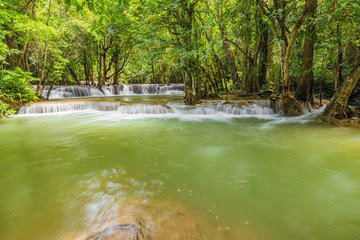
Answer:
(215, 83)
(232, 64)
(338, 108)
(255, 80)
(104, 66)
(42, 76)
(197, 79)
(153, 71)
(99, 78)
(91, 75)
(220, 76)
(290, 105)
(74, 75)
(86, 71)
(304, 90)
(263, 61)
(116, 74)
(229, 55)
(246, 61)
(189, 95)
(22, 60)
(102, 76)
(338, 71)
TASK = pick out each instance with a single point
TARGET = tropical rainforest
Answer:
(295, 50)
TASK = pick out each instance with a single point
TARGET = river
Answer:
(232, 172)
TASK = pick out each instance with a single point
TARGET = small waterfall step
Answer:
(242, 108)
(59, 92)
(97, 106)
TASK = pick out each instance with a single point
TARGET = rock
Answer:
(118, 232)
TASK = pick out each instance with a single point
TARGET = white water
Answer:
(66, 107)
(211, 110)
(217, 110)
(242, 108)
(59, 92)
(143, 109)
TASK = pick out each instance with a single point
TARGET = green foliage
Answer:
(5, 111)
(168, 41)
(14, 86)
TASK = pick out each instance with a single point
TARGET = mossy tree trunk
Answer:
(286, 39)
(338, 108)
(304, 91)
(264, 55)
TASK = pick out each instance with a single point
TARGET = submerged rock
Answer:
(132, 219)
(118, 232)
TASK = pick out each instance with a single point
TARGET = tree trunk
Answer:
(74, 75)
(153, 71)
(338, 108)
(291, 106)
(189, 95)
(102, 60)
(86, 71)
(104, 67)
(229, 55)
(49, 91)
(91, 75)
(246, 72)
(304, 90)
(232, 64)
(22, 60)
(99, 78)
(220, 77)
(263, 61)
(116, 74)
(255, 80)
(338, 71)
(42, 76)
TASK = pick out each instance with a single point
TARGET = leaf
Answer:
(355, 5)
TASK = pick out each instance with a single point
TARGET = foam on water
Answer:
(66, 107)
(59, 92)
(217, 110)
(143, 109)
(116, 111)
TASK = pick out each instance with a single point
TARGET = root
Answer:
(291, 107)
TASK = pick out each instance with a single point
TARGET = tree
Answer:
(338, 108)
(305, 87)
(279, 15)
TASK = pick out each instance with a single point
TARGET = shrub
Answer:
(15, 87)
(5, 111)
(15, 90)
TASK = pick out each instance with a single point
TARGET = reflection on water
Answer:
(69, 176)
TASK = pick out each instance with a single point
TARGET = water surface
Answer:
(247, 178)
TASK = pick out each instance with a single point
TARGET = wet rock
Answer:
(118, 232)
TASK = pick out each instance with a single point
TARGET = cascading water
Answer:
(143, 109)
(72, 91)
(177, 109)
(66, 107)
(59, 92)
(241, 108)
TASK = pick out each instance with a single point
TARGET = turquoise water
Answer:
(63, 175)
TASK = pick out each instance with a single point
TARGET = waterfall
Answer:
(65, 107)
(177, 109)
(59, 92)
(143, 109)
(242, 108)
(81, 106)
